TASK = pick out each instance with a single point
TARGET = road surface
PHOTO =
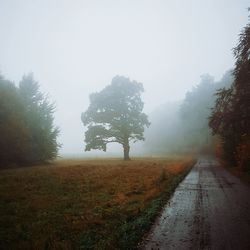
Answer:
(209, 210)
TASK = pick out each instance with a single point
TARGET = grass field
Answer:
(85, 204)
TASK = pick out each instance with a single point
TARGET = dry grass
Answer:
(61, 206)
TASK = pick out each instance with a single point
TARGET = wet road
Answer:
(209, 210)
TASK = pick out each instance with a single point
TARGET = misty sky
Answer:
(75, 47)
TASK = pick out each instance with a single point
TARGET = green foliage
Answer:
(26, 124)
(220, 122)
(14, 134)
(230, 117)
(39, 121)
(115, 115)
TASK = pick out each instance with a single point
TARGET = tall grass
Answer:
(104, 204)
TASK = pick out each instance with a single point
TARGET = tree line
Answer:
(214, 116)
(185, 123)
(28, 133)
(230, 118)
(115, 114)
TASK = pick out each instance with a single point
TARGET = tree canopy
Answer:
(230, 117)
(115, 115)
(28, 134)
(14, 135)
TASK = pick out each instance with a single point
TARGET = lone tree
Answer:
(115, 115)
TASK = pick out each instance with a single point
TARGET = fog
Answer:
(76, 47)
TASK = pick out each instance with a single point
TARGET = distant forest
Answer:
(214, 116)
(182, 127)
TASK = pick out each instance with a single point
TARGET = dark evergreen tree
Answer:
(28, 135)
(14, 134)
(39, 121)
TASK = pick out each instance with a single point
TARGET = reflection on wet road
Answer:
(209, 210)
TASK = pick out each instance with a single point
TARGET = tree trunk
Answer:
(126, 149)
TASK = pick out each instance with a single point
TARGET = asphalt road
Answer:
(209, 210)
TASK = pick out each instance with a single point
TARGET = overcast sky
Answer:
(75, 47)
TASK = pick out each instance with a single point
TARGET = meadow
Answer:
(85, 204)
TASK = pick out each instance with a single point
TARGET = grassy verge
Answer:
(74, 204)
(134, 227)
